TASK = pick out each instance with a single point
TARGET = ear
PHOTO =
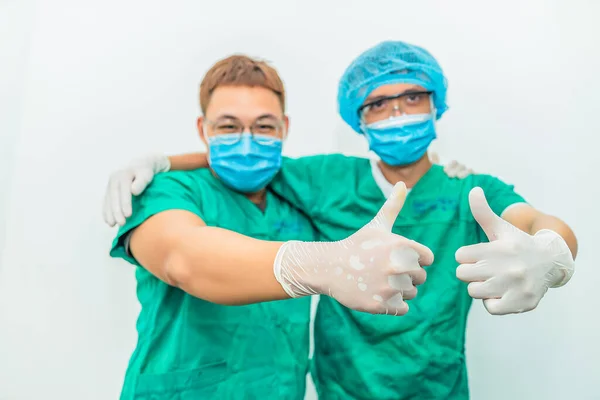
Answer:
(286, 122)
(200, 126)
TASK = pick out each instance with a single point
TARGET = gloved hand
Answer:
(373, 270)
(453, 169)
(514, 270)
(128, 182)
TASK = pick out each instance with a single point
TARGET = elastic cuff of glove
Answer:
(562, 257)
(277, 270)
(163, 164)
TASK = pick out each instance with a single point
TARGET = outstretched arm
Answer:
(177, 247)
(187, 162)
(133, 180)
(532, 221)
(227, 268)
(191, 161)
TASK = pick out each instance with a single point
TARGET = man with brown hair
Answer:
(216, 252)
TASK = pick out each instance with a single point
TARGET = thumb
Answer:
(388, 213)
(141, 180)
(434, 158)
(483, 214)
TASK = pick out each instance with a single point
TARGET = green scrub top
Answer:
(191, 349)
(417, 356)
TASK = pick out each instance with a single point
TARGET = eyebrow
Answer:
(414, 89)
(267, 116)
(229, 116)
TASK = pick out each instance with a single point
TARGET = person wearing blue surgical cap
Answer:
(393, 93)
(488, 242)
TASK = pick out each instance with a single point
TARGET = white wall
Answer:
(15, 35)
(105, 81)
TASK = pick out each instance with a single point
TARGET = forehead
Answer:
(393, 89)
(243, 102)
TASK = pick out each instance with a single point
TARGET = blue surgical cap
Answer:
(388, 63)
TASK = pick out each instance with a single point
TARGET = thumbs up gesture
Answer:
(514, 270)
(374, 270)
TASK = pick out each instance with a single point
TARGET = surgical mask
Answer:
(245, 164)
(403, 139)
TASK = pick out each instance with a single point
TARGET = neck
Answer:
(409, 174)
(259, 198)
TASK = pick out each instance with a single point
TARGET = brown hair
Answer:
(240, 70)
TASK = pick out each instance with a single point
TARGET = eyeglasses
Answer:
(414, 102)
(264, 129)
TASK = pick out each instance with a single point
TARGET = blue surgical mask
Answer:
(401, 140)
(245, 164)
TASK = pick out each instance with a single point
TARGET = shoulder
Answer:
(487, 181)
(437, 176)
(182, 190)
(187, 179)
(499, 194)
(177, 190)
(195, 183)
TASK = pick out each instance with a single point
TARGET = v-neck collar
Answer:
(386, 187)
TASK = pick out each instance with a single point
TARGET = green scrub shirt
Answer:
(417, 356)
(191, 349)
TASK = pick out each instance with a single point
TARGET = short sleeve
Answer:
(168, 191)
(499, 194)
(301, 182)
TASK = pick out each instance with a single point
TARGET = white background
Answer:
(87, 85)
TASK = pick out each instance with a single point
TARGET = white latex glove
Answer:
(373, 270)
(128, 182)
(453, 169)
(514, 270)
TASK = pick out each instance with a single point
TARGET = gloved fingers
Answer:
(125, 198)
(514, 302)
(490, 289)
(476, 272)
(403, 257)
(141, 180)
(402, 282)
(434, 158)
(418, 276)
(424, 254)
(407, 276)
(107, 208)
(464, 173)
(410, 293)
(497, 307)
(451, 168)
(386, 301)
(456, 170)
(480, 251)
(397, 305)
(459, 170)
(504, 307)
(115, 201)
